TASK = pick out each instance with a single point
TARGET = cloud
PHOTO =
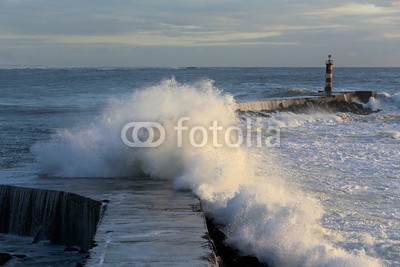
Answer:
(395, 35)
(286, 27)
(354, 9)
(385, 20)
(153, 39)
(183, 27)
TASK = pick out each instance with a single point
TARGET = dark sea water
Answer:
(344, 169)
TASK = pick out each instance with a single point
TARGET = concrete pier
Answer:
(145, 223)
(149, 224)
(273, 104)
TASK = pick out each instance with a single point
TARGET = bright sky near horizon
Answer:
(146, 33)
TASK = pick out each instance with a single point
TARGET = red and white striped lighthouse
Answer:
(328, 84)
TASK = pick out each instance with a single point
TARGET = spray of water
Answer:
(263, 215)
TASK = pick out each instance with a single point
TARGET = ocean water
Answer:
(328, 195)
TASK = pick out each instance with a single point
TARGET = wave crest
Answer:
(262, 215)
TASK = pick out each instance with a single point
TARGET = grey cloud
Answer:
(27, 24)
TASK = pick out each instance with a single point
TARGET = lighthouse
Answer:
(328, 84)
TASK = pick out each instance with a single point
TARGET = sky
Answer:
(215, 33)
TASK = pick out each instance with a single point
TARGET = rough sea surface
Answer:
(328, 195)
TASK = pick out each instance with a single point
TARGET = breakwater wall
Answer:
(61, 217)
(143, 221)
(273, 104)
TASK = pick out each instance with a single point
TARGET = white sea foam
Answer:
(373, 104)
(390, 101)
(384, 94)
(289, 119)
(263, 215)
(396, 98)
(299, 90)
(395, 135)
